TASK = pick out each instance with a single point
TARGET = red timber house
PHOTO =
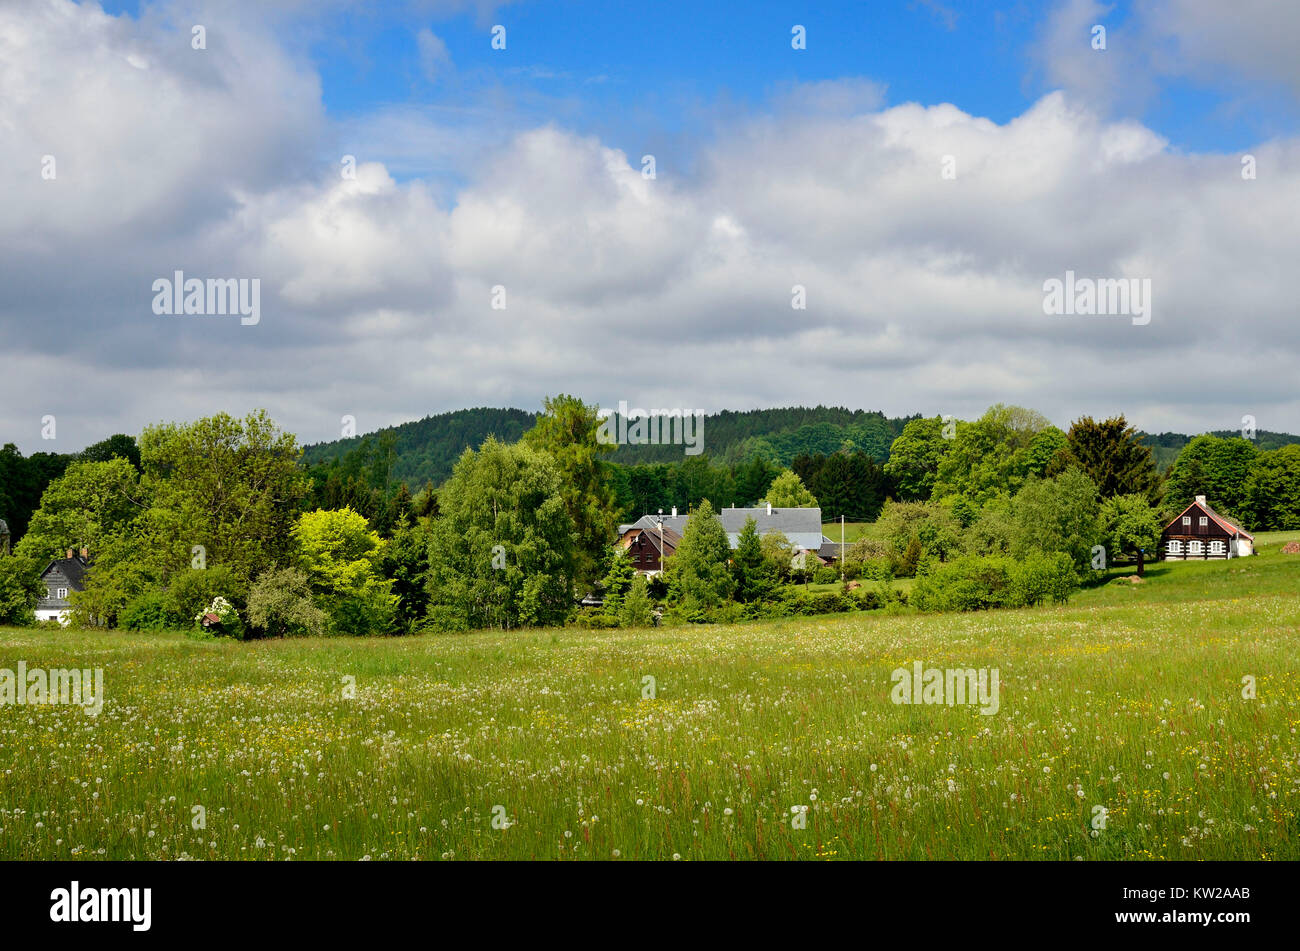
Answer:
(648, 545)
(1200, 532)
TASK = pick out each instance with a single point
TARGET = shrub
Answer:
(867, 600)
(830, 602)
(190, 592)
(446, 619)
(231, 623)
(635, 610)
(594, 619)
(1037, 577)
(905, 566)
(363, 613)
(146, 612)
(280, 605)
(968, 583)
(972, 583)
(826, 574)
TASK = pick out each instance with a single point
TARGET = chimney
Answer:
(1200, 500)
(769, 508)
(674, 511)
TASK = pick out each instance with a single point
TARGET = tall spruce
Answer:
(750, 569)
(698, 573)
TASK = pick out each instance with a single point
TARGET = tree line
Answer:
(219, 519)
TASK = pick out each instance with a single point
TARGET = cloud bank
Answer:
(922, 236)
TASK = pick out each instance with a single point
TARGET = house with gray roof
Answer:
(62, 577)
(802, 527)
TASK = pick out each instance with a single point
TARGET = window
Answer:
(1204, 521)
(1216, 548)
(1175, 547)
(1187, 520)
(1193, 548)
(63, 593)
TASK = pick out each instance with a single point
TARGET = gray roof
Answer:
(74, 569)
(801, 526)
(675, 522)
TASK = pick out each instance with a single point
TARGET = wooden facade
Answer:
(1198, 532)
(647, 547)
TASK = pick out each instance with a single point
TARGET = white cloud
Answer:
(1226, 45)
(435, 59)
(924, 294)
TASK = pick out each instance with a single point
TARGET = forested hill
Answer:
(425, 450)
(779, 435)
(1165, 447)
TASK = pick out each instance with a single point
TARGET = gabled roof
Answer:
(1229, 526)
(676, 523)
(670, 538)
(74, 569)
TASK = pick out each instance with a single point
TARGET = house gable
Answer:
(1216, 526)
(63, 573)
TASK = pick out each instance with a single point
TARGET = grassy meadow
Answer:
(1129, 698)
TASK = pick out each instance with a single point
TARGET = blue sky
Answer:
(640, 74)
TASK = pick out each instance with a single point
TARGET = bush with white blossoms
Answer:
(225, 611)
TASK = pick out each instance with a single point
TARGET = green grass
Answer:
(852, 531)
(1128, 698)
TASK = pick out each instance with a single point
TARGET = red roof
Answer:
(1229, 526)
